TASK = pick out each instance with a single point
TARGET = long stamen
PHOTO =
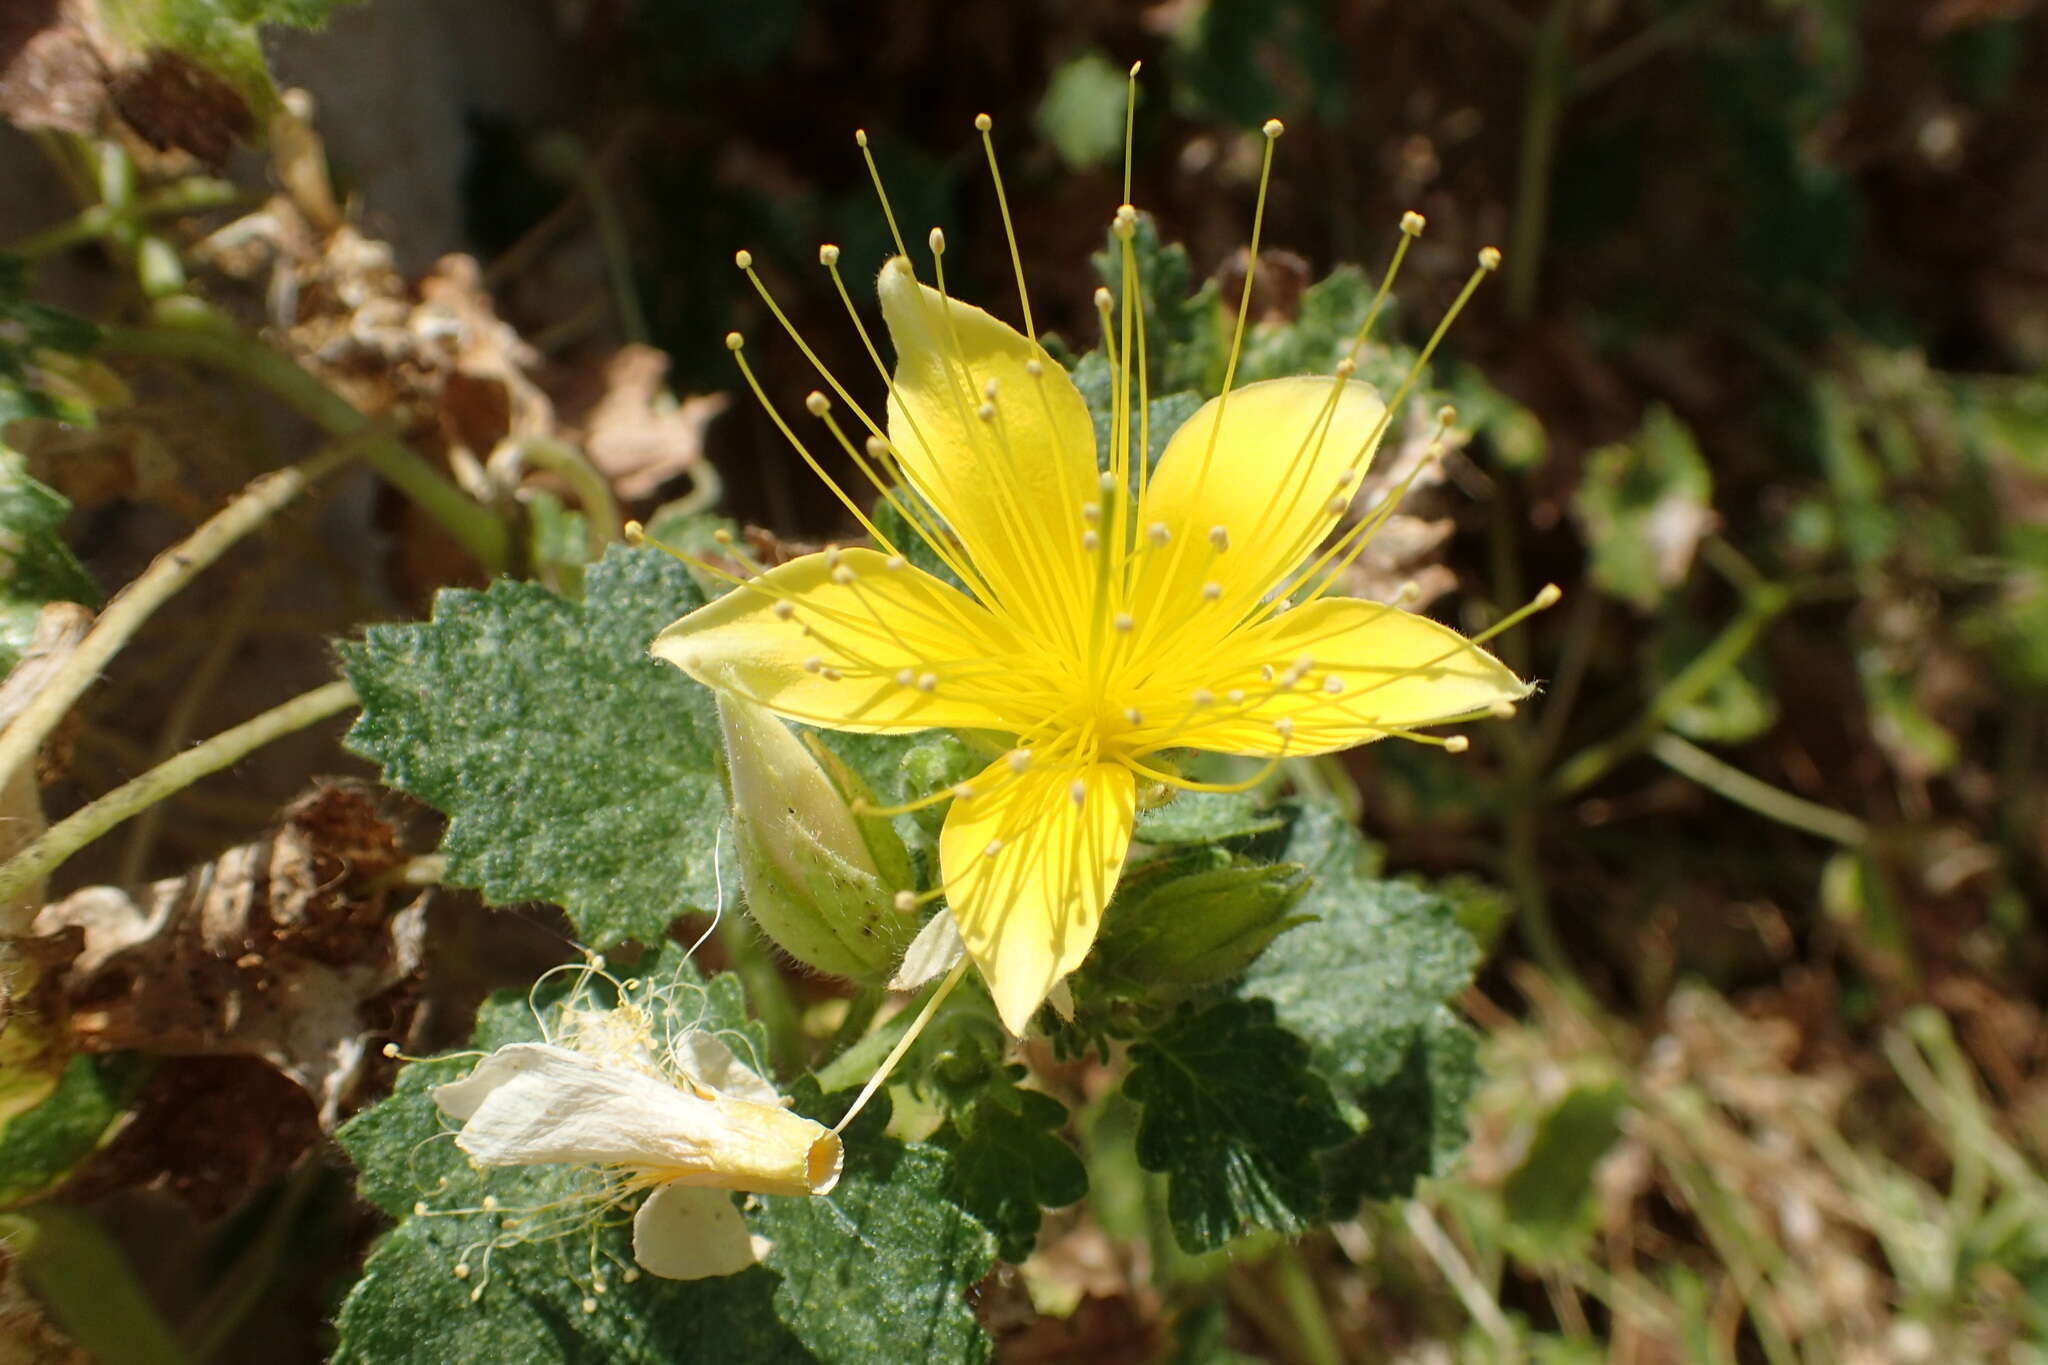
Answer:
(983, 123)
(860, 138)
(1130, 123)
(903, 1045)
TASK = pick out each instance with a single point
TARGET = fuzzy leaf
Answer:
(1234, 1117)
(882, 1262)
(1416, 1118)
(39, 1146)
(1205, 817)
(573, 768)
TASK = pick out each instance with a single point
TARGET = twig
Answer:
(1727, 780)
(95, 818)
(1550, 89)
(1312, 1327)
(134, 604)
(1478, 1302)
(186, 329)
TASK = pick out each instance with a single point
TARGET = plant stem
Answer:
(1727, 780)
(78, 1271)
(1304, 1302)
(1485, 1312)
(187, 330)
(186, 196)
(134, 604)
(767, 992)
(1550, 84)
(216, 1316)
(1592, 763)
(95, 818)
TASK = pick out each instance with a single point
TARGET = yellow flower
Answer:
(1099, 628)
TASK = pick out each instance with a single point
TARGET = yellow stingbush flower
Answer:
(1109, 614)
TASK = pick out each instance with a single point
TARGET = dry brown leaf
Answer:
(636, 436)
(269, 951)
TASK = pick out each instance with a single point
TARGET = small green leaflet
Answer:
(1643, 508)
(1234, 1117)
(882, 1264)
(40, 1146)
(1010, 1162)
(573, 768)
(36, 566)
(28, 330)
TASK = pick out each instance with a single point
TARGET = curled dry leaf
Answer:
(269, 951)
(637, 437)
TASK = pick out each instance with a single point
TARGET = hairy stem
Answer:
(95, 818)
(1727, 780)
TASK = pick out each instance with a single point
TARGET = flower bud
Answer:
(1200, 927)
(810, 879)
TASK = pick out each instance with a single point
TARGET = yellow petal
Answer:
(1266, 480)
(1391, 670)
(1028, 869)
(1011, 486)
(843, 641)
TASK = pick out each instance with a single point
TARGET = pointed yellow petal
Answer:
(843, 641)
(1028, 869)
(1008, 473)
(1247, 507)
(1343, 672)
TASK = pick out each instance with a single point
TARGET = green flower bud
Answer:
(810, 879)
(1189, 928)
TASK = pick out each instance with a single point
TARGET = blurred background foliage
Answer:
(1763, 385)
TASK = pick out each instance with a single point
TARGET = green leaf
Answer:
(1366, 985)
(573, 767)
(1198, 927)
(1234, 1117)
(1416, 1118)
(36, 566)
(1009, 1162)
(40, 1146)
(30, 334)
(1549, 1197)
(221, 35)
(885, 1259)
(1206, 817)
(1642, 509)
(1082, 112)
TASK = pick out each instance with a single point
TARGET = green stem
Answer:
(1708, 667)
(166, 575)
(95, 818)
(1727, 780)
(186, 196)
(78, 1271)
(593, 491)
(1318, 1339)
(185, 329)
(1550, 85)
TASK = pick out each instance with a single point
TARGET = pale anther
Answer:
(995, 846)
(1345, 476)
(1446, 414)
(783, 610)
(461, 1271)
(1333, 684)
(832, 554)
(860, 137)
(986, 412)
(828, 255)
(963, 791)
(1273, 127)
(905, 902)
(1336, 505)
(877, 447)
(1235, 696)
(733, 341)
(813, 664)
(1204, 697)
(744, 259)
(1132, 716)
(894, 562)
(1412, 223)
(1346, 367)
(1549, 595)
(1211, 591)
(1019, 760)
(905, 677)
(419, 1209)
(1489, 258)
(490, 1203)
(1123, 622)
(1285, 725)
(817, 404)
(1078, 790)
(830, 674)
(1457, 744)
(1266, 672)
(988, 390)
(1106, 481)
(1104, 300)
(1090, 542)
(937, 239)
(927, 681)
(1034, 368)
(589, 1304)
(1219, 536)
(1091, 512)
(982, 123)
(1158, 533)
(1502, 710)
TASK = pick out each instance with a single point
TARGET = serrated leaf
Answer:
(1372, 968)
(1234, 1117)
(1548, 1198)
(1185, 327)
(885, 1259)
(1009, 1163)
(1416, 1118)
(573, 768)
(36, 566)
